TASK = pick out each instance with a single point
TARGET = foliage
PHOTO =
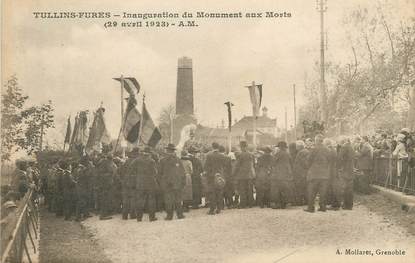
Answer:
(37, 120)
(375, 81)
(12, 102)
(164, 120)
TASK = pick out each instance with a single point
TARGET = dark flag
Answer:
(131, 85)
(80, 130)
(68, 131)
(150, 134)
(131, 126)
(229, 105)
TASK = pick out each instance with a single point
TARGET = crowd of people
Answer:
(149, 181)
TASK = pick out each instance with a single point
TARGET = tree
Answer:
(12, 101)
(165, 121)
(38, 119)
(365, 89)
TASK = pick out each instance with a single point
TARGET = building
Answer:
(267, 131)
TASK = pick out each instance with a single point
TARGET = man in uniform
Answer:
(244, 174)
(106, 170)
(128, 186)
(172, 181)
(214, 167)
(146, 185)
(319, 162)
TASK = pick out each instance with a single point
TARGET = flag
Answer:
(80, 130)
(131, 125)
(255, 92)
(150, 134)
(68, 131)
(130, 85)
(229, 105)
(98, 133)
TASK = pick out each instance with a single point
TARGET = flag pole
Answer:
(122, 113)
(254, 122)
(286, 125)
(229, 104)
(141, 121)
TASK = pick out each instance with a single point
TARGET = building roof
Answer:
(262, 122)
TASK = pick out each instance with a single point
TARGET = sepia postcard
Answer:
(207, 131)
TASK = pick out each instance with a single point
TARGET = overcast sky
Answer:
(72, 62)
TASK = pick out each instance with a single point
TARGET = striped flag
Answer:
(130, 85)
(131, 126)
(150, 134)
(255, 92)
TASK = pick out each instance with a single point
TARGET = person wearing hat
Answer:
(262, 180)
(196, 177)
(318, 175)
(215, 169)
(172, 179)
(106, 171)
(145, 171)
(244, 174)
(281, 178)
(128, 186)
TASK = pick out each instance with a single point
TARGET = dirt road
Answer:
(263, 235)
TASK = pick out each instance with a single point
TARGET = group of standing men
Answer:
(147, 182)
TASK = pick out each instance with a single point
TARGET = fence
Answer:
(15, 236)
(395, 174)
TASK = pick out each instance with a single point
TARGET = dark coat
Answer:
(215, 163)
(281, 166)
(68, 182)
(345, 159)
(145, 169)
(365, 157)
(263, 169)
(82, 176)
(301, 164)
(319, 161)
(171, 173)
(106, 170)
(244, 166)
